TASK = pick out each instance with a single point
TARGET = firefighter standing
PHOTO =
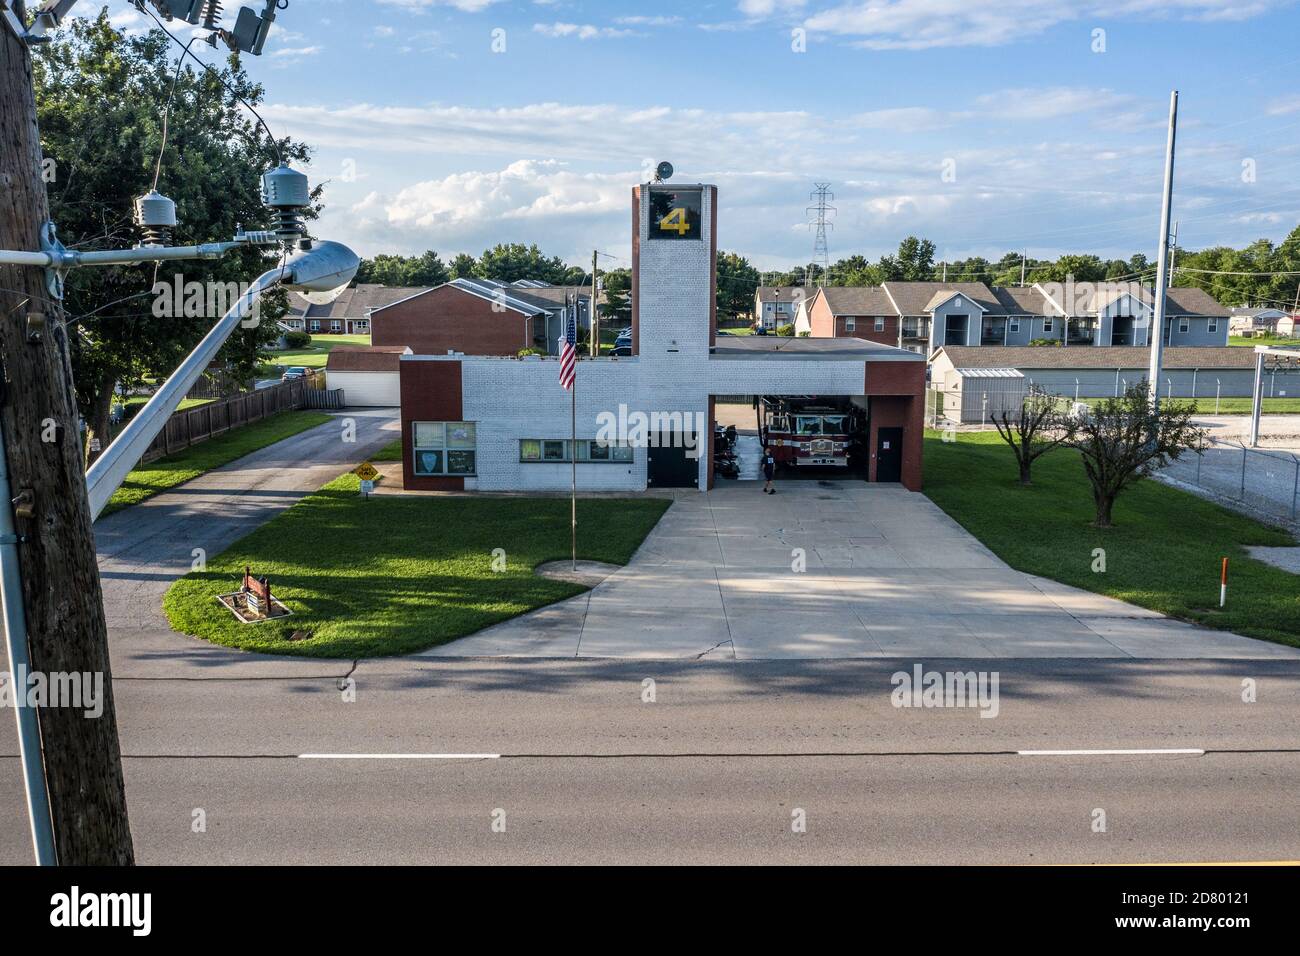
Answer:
(769, 471)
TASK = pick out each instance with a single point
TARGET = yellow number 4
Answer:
(676, 222)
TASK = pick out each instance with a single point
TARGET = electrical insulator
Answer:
(287, 193)
(155, 214)
(212, 15)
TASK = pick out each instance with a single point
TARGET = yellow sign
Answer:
(366, 472)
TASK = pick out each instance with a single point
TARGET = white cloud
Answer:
(1285, 104)
(295, 52)
(765, 8)
(468, 6)
(583, 31)
(924, 24)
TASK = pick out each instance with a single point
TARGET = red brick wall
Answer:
(825, 325)
(431, 392)
(451, 318)
(896, 393)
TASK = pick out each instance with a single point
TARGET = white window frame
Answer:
(1013, 325)
(314, 325)
(445, 446)
(850, 323)
(1212, 326)
(1049, 326)
(880, 323)
(1184, 325)
(336, 325)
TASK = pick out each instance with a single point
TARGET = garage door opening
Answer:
(821, 437)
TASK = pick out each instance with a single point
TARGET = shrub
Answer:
(785, 330)
(523, 353)
(1037, 343)
(297, 340)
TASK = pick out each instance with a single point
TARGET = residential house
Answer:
(775, 306)
(862, 312)
(477, 317)
(1256, 320)
(349, 314)
(926, 316)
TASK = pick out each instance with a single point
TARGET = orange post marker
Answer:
(1223, 583)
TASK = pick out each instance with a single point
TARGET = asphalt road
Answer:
(711, 771)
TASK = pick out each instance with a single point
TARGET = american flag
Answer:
(569, 350)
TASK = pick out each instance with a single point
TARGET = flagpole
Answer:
(573, 447)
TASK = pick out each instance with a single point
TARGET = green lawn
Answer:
(165, 474)
(395, 575)
(391, 452)
(1241, 340)
(316, 354)
(185, 402)
(1163, 553)
(1234, 405)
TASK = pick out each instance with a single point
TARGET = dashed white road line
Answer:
(1156, 752)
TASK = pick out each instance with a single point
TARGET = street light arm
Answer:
(108, 472)
(327, 266)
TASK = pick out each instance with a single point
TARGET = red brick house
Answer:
(474, 316)
(862, 312)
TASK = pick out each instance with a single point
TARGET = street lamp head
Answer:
(321, 273)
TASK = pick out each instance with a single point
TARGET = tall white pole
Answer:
(1157, 331)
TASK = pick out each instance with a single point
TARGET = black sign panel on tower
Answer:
(676, 213)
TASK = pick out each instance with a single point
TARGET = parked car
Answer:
(295, 371)
(623, 339)
(621, 350)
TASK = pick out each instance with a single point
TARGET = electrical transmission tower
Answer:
(821, 197)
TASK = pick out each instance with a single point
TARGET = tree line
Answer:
(1254, 275)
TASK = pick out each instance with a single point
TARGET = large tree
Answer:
(1125, 439)
(100, 99)
(508, 262)
(426, 269)
(737, 282)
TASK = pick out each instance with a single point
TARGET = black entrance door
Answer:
(669, 464)
(889, 454)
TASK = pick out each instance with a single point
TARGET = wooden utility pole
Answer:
(62, 602)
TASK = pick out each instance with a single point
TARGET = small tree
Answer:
(1037, 429)
(1125, 439)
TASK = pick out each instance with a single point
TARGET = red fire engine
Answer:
(811, 430)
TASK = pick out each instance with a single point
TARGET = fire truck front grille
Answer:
(822, 447)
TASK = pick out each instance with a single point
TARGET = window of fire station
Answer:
(445, 448)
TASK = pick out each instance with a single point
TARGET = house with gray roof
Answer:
(777, 305)
(926, 316)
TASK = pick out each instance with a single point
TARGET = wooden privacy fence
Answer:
(194, 425)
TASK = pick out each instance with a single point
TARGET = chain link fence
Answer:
(1267, 482)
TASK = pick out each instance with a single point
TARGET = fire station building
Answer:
(494, 423)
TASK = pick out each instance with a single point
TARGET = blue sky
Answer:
(985, 126)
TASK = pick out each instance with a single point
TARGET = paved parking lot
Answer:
(886, 574)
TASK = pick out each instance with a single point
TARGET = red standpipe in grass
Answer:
(1223, 583)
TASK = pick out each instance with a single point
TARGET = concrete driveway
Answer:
(886, 574)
